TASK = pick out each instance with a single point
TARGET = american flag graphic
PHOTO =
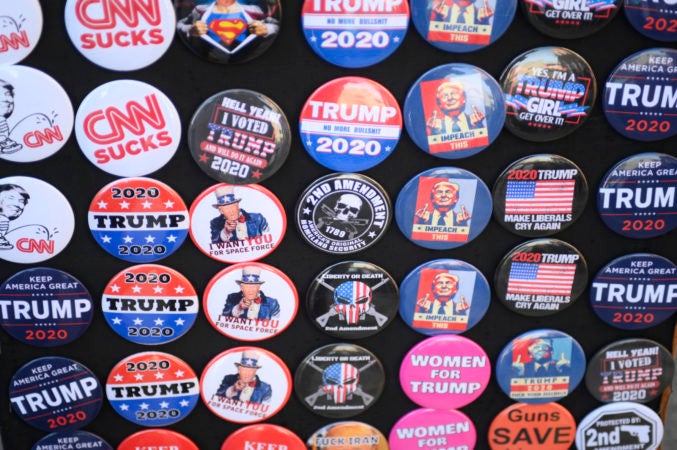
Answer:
(352, 299)
(539, 197)
(547, 279)
(340, 380)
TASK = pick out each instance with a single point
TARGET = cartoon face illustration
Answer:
(352, 300)
(340, 381)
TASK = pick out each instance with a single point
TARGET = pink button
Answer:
(428, 429)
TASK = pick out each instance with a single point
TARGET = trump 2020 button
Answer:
(462, 26)
(638, 100)
(655, 20)
(541, 277)
(54, 393)
(570, 19)
(152, 389)
(239, 137)
(232, 33)
(454, 111)
(76, 439)
(343, 213)
(444, 372)
(444, 296)
(635, 291)
(540, 366)
(354, 35)
(250, 301)
(124, 38)
(150, 304)
(549, 92)
(630, 370)
(36, 113)
(263, 436)
(636, 197)
(138, 219)
(339, 380)
(621, 424)
(127, 128)
(355, 434)
(36, 220)
(45, 307)
(539, 195)
(237, 223)
(429, 429)
(350, 124)
(21, 25)
(352, 299)
(443, 208)
(157, 438)
(532, 427)
(245, 385)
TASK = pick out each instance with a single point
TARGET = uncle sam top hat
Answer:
(250, 275)
(225, 195)
(249, 359)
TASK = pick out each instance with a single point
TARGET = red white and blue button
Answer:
(570, 19)
(76, 439)
(655, 20)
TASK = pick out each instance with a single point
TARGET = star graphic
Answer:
(396, 39)
(117, 321)
(124, 204)
(146, 204)
(164, 405)
(158, 289)
(306, 211)
(371, 234)
(124, 407)
(128, 239)
(204, 158)
(119, 377)
(144, 405)
(256, 174)
(136, 289)
(159, 322)
(103, 205)
(138, 377)
(169, 204)
(138, 321)
(150, 239)
(313, 39)
(178, 373)
(105, 239)
(179, 322)
(183, 403)
(171, 238)
(159, 375)
(115, 288)
(178, 289)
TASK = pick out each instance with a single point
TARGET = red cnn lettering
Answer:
(103, 14)
(13, 41)
(106, 126)
(28, 245)
(38, 138)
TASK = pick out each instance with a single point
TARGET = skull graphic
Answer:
(352, 300)
(347, 207)
(340, 381)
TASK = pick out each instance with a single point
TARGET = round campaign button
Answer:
(36, 220)
(224, 230)
(444, 372)
(76, 439)
(127, 128)
(444, 296)
(539, 195)
(352, 300)
(152, 389)
(356, 435)
(618, 426)
(540, 366)
(250, 301)
(350, 124)
(21, 27)
(637, 101)
(636, 197)
(228, 32)
(354, 35)
(452, 429)
(570, 19)
(138, 219)
(339, 380)
(541, 277)
(461, 26)
(157, 438)
(635, 291)
(239, 137)
(652, 19)
(255, 389)
(121, 37)
(636, 370)
(263, 436)
(150, 304)
(55, 394)
(37, 115)
(45, 307)
(454, 111)
(443, 208)
(343, 213)
(549, 92)
(533, 427)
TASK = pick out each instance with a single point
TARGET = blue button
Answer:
(454, 111)
(71, 440)
(655, 19)
(444, 296)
